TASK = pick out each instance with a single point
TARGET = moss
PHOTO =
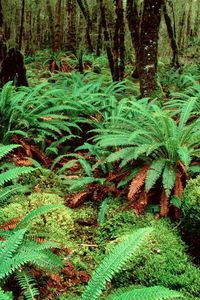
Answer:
(162, 262)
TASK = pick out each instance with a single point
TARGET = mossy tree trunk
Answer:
(147, 56)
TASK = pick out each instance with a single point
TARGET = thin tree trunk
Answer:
(86, 14)
(119, 48)
(181, 26)
(106, 37)
(99, 39)
(71, 26)
(147, 58)
(134, 28)
(51, 22)
(171, 34)
(21, 25)
(57, 37)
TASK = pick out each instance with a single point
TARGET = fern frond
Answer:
(5, 149)
(169, 176)
(5, 295)
(146, 293)
(14, 173)
(11, 245)
(114, 262)
(37, 212)
(27, 284)
(154, 173)
(137, 182)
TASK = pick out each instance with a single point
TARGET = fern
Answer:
(5, 295)
(27, 284)
(114, 262)
(14, 173)
(146, 293)
(5, 149)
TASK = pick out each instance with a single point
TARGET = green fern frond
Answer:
(114, 262)
(5, 149)
(27, 284)
(184, 156)
(169, 176)
(186, 112)
(37, 212)
(154, 173)
(103, 211)
(11, 245)
(146, 293)
(14, 174)
(5, 295)
(8, 191)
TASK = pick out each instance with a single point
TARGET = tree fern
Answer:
(114, 262)
(146, 293)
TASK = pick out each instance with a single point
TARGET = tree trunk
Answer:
(51, 23)
(181, 26)
(119, 48)
(21, 25)
(71, 26)
(57, 37)
(86, 14)
(147, 56)
(99, 39)
(171, 34)
(134, 28)
(106, 37)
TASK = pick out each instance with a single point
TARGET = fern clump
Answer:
(19, 252)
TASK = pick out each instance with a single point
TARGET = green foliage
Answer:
(162, 262)
(191, 205)
(147, 134)
(19, 252)
(5, 295)
(114, 262)
(10, 176)
(146, 293)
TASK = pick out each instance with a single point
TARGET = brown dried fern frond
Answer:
(77, 199)
(183, 169)
(11, 224)
(178, 187)
(164, 204)
(137, 182)
(140, 204)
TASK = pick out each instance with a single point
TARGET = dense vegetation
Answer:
(99, 150)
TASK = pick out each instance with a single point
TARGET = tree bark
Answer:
(147, 56)
(106, 37)
(171, 34)
(51, 23)
(134, 28)
(71, 26)
(21, 25)
(57, 37)
(86, 14)
(119, 48)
